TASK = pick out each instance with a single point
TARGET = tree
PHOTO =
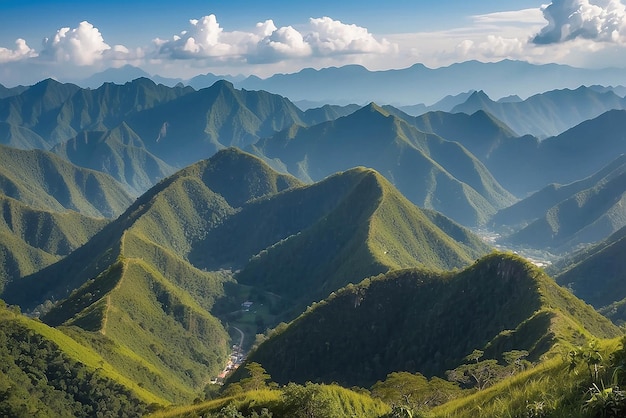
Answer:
(479, 375)
(414, 391)
(307, 401)
(257, 378)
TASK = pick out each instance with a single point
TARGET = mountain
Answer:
(597, 275)
(430, 171)
(539, 203)
(421, 321)
(37, 108)
(130, 293)
(352, 225)
(546, 114)
(119, 75)
(22, 138)
(325, 113)
(57, 112)
(153, 281)
(46, 373)
(118, 152)
(206, 80)
(10, 91)
(32, 239)
(199, 124)
(587, 216)
(419, 84)
(526, 164)
(444, 105)
(479, 132)
(44, 181)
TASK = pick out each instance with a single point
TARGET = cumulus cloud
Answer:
(268, 43)
(328, 36)
(83, 45)
(203, 38)
(599, 20)
(21, 51)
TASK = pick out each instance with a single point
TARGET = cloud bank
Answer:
(205, 38)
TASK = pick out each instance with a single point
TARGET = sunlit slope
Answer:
(46, 373)
(136, 298)
(368, 228)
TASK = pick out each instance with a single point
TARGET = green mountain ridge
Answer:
(46, 373)
(144, 290)
(537, 204)
(135, 298)
(417, 321)
(374, 230)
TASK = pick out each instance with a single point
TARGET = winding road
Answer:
(241, 339)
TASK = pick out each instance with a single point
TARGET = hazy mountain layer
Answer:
(562, 217)
(523, 165)
(44, 181)
(546, 114)
(119, 153)
(56, 112)
(431, 172)
(598, 275)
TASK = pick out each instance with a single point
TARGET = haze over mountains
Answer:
(136, 219)
(409, 86)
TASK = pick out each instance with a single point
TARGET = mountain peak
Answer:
(372, 108)
(239, 176)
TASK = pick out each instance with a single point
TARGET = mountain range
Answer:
(561, 217)
(545, 114)
(430, 171)
(160, 270)
(409, 86)
(147, 243)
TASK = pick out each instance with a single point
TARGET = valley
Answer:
(206, 251)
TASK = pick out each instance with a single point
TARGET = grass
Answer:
(83, 354)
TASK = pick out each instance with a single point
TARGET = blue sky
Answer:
(70, 40)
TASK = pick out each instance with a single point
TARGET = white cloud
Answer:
(205, 38)
(328, 36)
(83, 45)
(268, 43)
(600, 20)
(21, 51)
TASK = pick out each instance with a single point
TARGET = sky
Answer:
(71, 40)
